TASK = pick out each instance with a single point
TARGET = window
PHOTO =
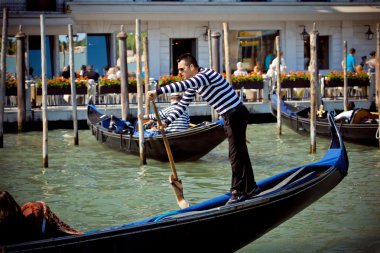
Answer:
(256, 48)
(35, 55)
(11, 55)
(98, 51)
(322, 52)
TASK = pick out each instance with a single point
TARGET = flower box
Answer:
(62, 91)
(350, 82)
(248, 85)
(295, 84)
(116, 89)
(335, 79)
(11, 91)
(109, 89)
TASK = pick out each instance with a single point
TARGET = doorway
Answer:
(179, 47)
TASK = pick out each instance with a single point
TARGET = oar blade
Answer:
(178, 190)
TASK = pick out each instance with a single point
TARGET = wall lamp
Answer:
(205, 34)
(369, 33)
(304, 34)
(75, 38)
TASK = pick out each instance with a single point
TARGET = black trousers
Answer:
(235, 126)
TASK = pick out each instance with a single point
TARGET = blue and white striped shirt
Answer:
(212, 87)
(180, 124)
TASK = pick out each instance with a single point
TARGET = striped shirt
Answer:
(181, 123)
(212, 87)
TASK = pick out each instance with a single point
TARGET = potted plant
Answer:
(164, 80)
(10, 85)
(336, 79)
(295, 79)
(107, 85)
(250, 81)
(61, 86)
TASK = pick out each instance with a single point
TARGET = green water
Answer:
(90, 186)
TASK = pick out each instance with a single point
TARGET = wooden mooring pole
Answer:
(226, 52)
(313, 88)
(215, 63)
(122, 36)
(139, 91)
(345, 99)
(73, 87)
(378, 76)
(45, 160)
(3, 68)
(147, 74)
(278, 80)
(20, 77)
(209, 47)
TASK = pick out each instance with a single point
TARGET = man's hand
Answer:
(162, 126)
(152, 94)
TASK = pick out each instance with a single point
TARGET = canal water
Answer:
(91, 187)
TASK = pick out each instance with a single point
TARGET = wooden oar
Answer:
(173, 178)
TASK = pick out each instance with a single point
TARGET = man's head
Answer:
(350, 105)
(352, 50)
(187, 66)
(175, 98)
(90, 68)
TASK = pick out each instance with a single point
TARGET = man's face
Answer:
(185, 70)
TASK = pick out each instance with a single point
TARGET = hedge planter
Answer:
(250, 85)
(351, 83)
(116, 89)
(62, 91)
(295, 84)
(11, 91)
(109, 89)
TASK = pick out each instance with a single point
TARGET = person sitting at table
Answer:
(180, 124)
(240, 71)
(346, 115)
(32, 221)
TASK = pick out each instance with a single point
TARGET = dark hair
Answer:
(189, 59)
(373, 53)
(352, 50)
(8, 205)
(350, 105)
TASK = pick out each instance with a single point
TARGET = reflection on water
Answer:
(91, 186)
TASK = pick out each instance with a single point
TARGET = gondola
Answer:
(187, 145)
(212, 226)
(361, 128)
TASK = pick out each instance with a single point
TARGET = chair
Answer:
(359, 115)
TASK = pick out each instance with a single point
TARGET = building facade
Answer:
(176, 27)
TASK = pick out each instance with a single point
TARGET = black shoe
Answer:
(254, 192)
(239, 196)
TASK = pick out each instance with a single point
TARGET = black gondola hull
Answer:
(363, 134)
(225, 230)
(187, 145)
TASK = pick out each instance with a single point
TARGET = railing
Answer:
(248, 92)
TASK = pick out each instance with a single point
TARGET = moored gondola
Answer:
(212, 226)
(360, 128)
(187, 145)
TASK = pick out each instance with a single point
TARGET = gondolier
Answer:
(215, 89)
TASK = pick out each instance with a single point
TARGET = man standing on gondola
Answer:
(215, 89)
